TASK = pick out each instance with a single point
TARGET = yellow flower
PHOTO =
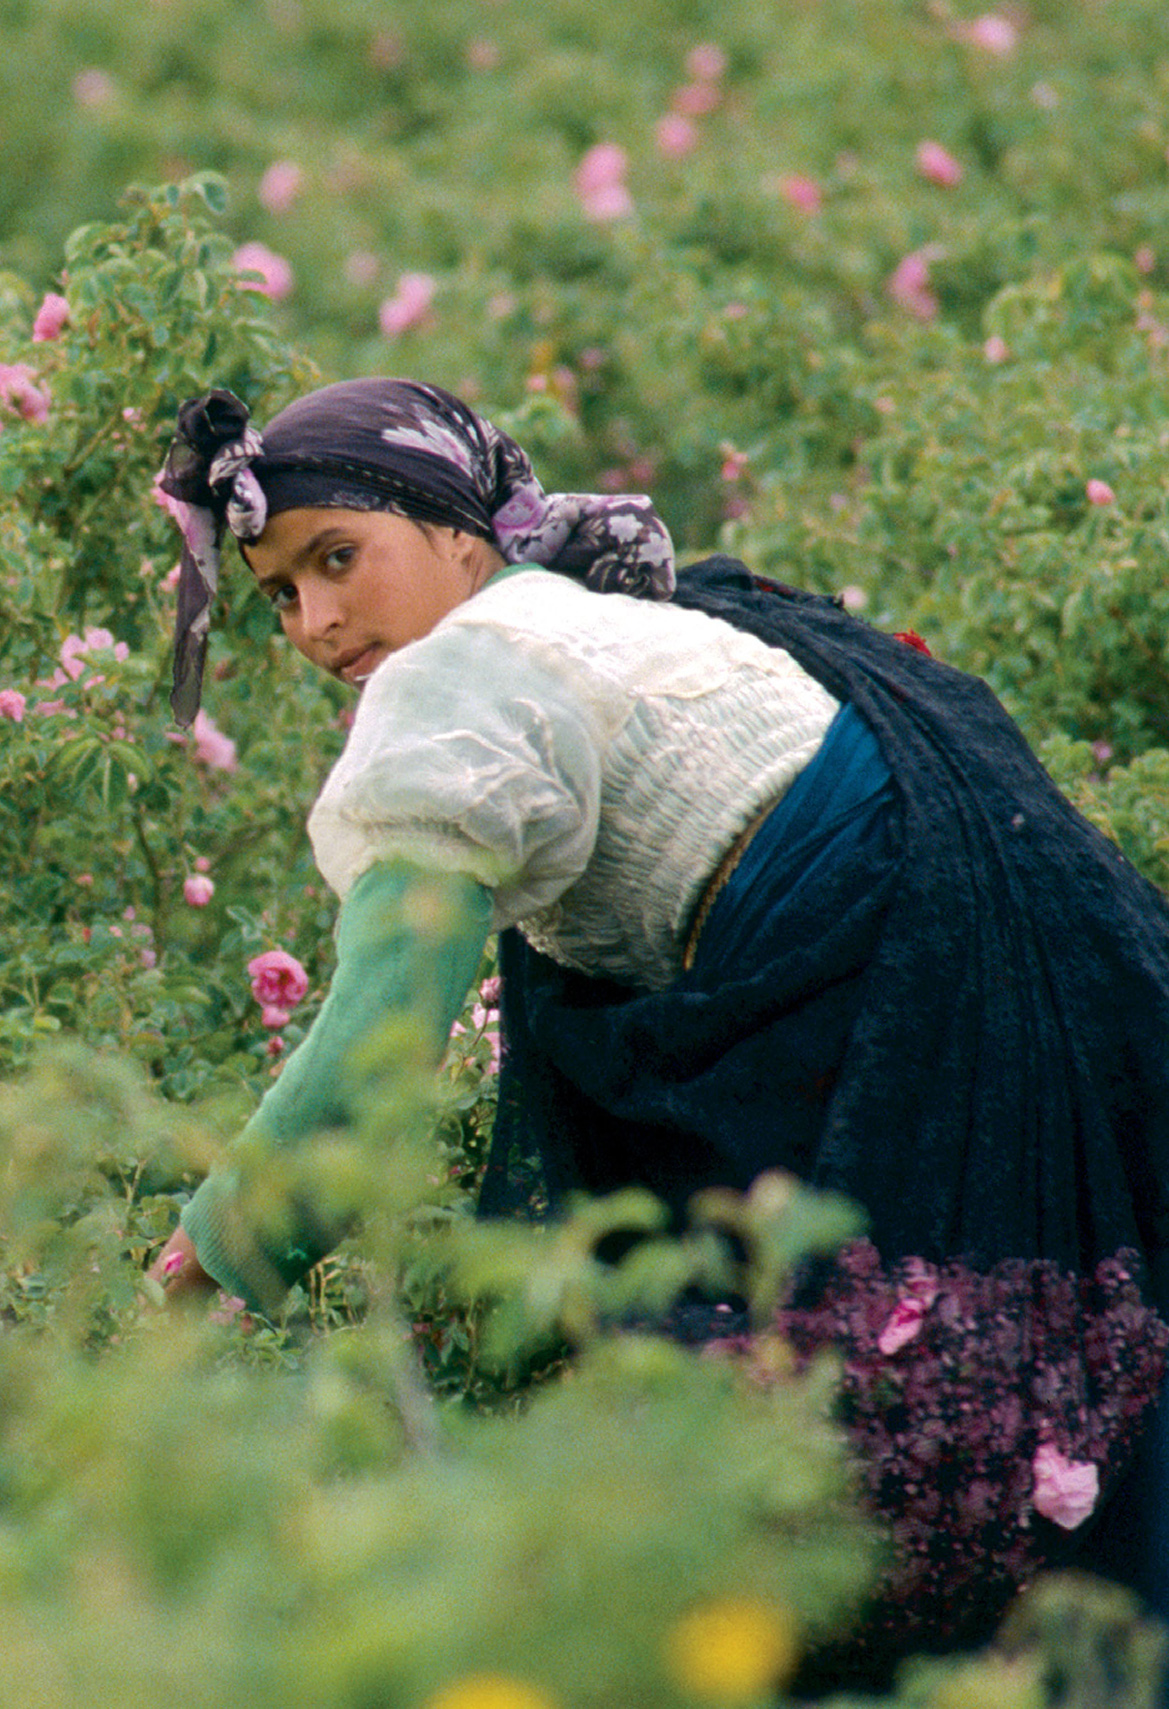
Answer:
(489, 1691)
(732, 1650)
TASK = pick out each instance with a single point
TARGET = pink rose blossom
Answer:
(602, 166)
(276, 277)
(228, 1308)
(801, 192)
(1145, 259)
(995, 350)
(212, 748)
(20, 392)
(171, 579)
(600, 182)
(482, 54)
(992, 34)
(274, 1045)
(904, 1324)
(853, 598)
(202, 864)
(490, 991)
(1065, 1491)
(908, 285)
(707, 62)
(51, 318)
(695, 100)
(12, 704)
(49, 708)
(280, 186)
(172, 1265)
(273, 1016)
(1099, 492)
(939, 165)
(676, 136)
(75, 647)
(409, 306)
(278, 980)
(198, 890)
(92, 88)
(918, 1292)
(387, 51)
(613, 202)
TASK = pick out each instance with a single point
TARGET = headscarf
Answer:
(395, 445)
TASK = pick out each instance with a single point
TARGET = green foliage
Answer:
(212, 1512)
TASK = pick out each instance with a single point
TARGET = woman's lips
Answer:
(358, 667)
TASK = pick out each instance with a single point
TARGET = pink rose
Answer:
(51, 319)
(1064, 1491)
(995, 349)
(212, 748)
(611, 202)
(939, 165)
(482, 54)
(601, 166)
(903, 1326)
(908, 285)
(198, 890)
(695, 100)
(706, 62)
(919, 1290)
(280, 186)
(274, 1017)
(1099, 492)
(992, 34)
(676, 136)
(75, 647)
(278, 980)
(276, 276)
(12, 704)
(20, 392)
(229, 1307)
(92, 88)
(409, 305)
(801, 192)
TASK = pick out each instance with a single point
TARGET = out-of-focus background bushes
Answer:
(877, 297)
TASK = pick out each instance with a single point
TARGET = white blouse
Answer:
(587, 757)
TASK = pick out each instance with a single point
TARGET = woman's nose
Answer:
(320, 609)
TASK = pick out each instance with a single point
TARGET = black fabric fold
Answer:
(1005, 1088)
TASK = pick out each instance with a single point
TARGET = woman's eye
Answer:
(283, 597)
(339, 558)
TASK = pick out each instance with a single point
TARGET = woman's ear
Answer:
(479, 557)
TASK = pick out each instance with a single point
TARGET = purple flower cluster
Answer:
(977, 1403)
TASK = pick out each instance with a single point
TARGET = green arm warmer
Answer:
(409, 943)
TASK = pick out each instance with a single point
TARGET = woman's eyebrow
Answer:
(300, 558)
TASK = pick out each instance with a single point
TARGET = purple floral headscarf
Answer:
(386, 445)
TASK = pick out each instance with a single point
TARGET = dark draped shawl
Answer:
(1005, 1088)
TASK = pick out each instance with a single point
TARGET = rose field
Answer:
(875, 297)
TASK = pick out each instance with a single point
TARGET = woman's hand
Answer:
(177, 1269)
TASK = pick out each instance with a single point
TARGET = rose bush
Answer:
(869, 295)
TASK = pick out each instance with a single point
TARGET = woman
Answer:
(774, 890)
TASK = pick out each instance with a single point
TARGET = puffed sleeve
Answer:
(470, 753)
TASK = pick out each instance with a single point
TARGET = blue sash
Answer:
(836, 808)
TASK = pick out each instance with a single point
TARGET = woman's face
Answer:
(352, 586)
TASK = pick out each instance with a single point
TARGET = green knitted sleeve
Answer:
(409, 944)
